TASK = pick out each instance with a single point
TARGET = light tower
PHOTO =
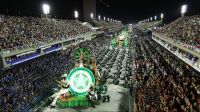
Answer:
(76, 14)
(46, 9)
(91, 15)
(161, 16)
(99, 17)
(183, 10)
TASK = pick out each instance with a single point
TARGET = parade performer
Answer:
(64, 90)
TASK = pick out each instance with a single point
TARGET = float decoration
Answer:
(82, 55)
(80, 80)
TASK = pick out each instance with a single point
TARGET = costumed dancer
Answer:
(64, 90)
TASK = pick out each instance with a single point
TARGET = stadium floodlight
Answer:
(99, 17)
(155, 17)
(91, 15)
(183, 10)
(151, 18)
(161, 15)
(46, 9)
(76, 14)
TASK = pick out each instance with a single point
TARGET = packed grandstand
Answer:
(162, 82)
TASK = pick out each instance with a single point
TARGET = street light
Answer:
(99, 17)
(76, 14)
(46, 9)
(104, 18)
(155, 17)
(91, 15)
(183, 10)
(161, 16)
(151, 18)
(108, 19)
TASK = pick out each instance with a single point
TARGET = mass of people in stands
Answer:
(108, 24)
(144, 25)
(184, 31)
(26, 32)
(22, 84)
(163, 83)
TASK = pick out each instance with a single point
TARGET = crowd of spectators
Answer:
(184, 31)
(107, 24)
(143, 26)
(192, 60)
(21, 84)
(25, 32)
(163, 83)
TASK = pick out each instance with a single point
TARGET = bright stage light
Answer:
(46, 8)
(161, 15)
(183, 9)
(99, 17)
(76, 14)
(91, 15)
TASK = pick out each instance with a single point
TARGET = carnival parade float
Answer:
(120, 40)
(86, 87)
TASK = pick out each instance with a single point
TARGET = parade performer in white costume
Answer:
(64, 90)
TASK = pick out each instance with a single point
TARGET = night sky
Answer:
(129, 11)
